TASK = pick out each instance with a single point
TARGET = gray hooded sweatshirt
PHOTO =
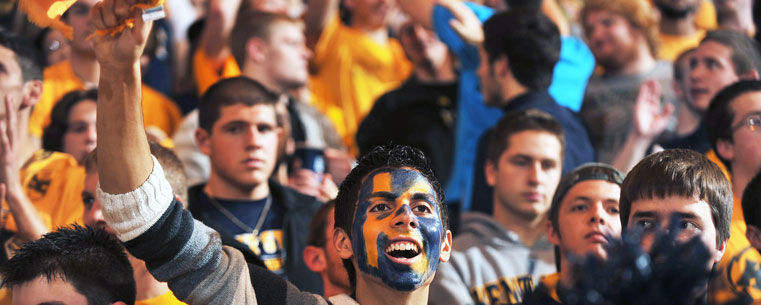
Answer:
(490, 265)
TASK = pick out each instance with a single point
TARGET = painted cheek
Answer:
(369, 226)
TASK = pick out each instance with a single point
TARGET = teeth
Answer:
(402, 246)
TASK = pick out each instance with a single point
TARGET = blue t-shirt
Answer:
(268, 244)
(570, 78)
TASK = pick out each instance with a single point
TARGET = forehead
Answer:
(286, 29)
(396, 180)
(746, 104)
(598, 15)
(713, 49)
(599, 189)
(537, 143)
(259, 113)
(7, 57)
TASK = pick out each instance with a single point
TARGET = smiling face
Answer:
(587, 215)
(397, 227)
(694, 221)
(612, 39)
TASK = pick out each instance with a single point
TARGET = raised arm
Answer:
(217, 28)
(317, 16)
(30, 225)
(123, 153)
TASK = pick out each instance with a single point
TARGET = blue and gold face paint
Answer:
(397, 229)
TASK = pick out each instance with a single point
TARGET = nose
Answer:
(404, 218)
(536, 174)
(598, 216)
(92, 135)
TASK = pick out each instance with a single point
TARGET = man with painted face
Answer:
(502, 256)
(391, 229)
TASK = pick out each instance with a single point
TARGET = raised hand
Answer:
(465, 23)
(9, 174)
(649, 119)
(121, 50)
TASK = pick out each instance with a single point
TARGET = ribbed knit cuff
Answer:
(133, 213)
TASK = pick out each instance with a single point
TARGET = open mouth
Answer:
(403, 250)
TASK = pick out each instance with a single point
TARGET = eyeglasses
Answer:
(753, 122)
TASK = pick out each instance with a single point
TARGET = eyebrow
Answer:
(644, 214)
(382, 194)
(52, 303)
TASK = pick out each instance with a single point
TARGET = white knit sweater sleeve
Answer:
(131, 214)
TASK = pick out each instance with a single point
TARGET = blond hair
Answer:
(639, 13)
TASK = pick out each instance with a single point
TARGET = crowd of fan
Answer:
(382, 152)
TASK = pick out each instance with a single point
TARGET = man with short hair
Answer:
(584, 215)
(71, 266)
(509, 249)
(685, 186)
(321, 256)
(239, 131)
(623, 35)
(514, 79)
(732, 124)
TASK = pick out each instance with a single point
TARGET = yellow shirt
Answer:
(349, 72)
(206, 72)
(164, 299)
(739, 271)
(705, 18)
(53, 182)
(59, 79)
(672, 45)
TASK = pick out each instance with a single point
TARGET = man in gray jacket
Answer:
(498, 259)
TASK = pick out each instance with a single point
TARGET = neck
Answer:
(678, 27)
(330, 290)
(375, 293)
(528, 230)
(429, 73)
(256, 72)
(566, 272)
(740, 180)
(687, 120)
(512, 89)
(219, 188)
(377, 34)
(147, 286)
(28, 144)
(643, 62)
(740, 20)
(85, 67)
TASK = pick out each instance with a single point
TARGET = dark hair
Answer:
(529, 41)
(684, 173)
(173, 169)
(589, 171)
(720, 116)
(253, 24)
(381, 157)
(232, 91)
(91, 260)
(745, 51)
(316, 234)
(27, 56)
(751, 201)
(518, 121)
(52, 136)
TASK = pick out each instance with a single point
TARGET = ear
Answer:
(750, 75)
(725, 149)
(342, 242)
(314, 258)
(32, 91)
(720, 251)
(255, 50)
(753, 234)
(490, 171)
(446, 247)
(203, 140)
(501, 67)
(552, 235)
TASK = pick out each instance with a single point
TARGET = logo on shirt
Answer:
(745, 274)
(506, 290)
(268, 246)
